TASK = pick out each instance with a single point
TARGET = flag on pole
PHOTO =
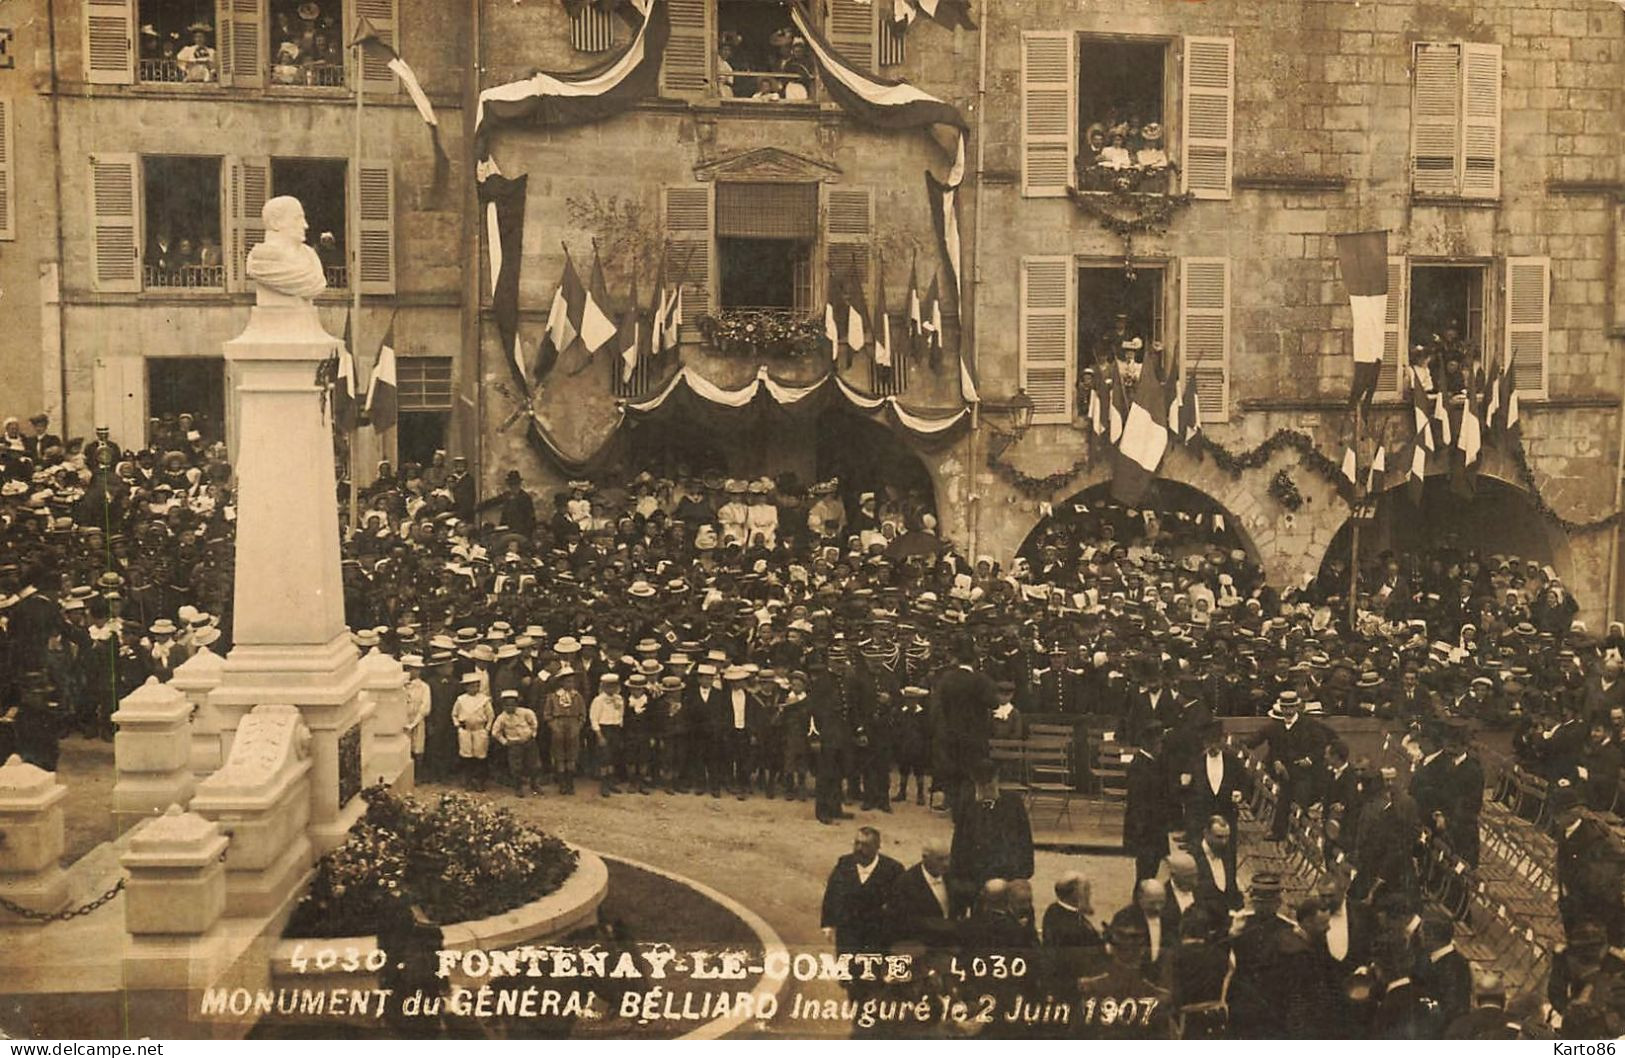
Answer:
(1363, 257)
(952, 14)
(1509, 402)
(382, 388)
(1420, 416)
(1373, 476)
(1116, 406)
(1418, 471)
(1351, 468)
(1469, 443)
(658, 306)
(916, 322)
(883, 350)
(1441, 415)
(504, 244)
(628, 336)
(967, 380)
(563, 318)
(1144, 441)
(1492, 401)
(374, 46)
(832, 328)
(674, 318)
(857, 320)
(596, 326)
(1097, 406)
(932, 324)
(344, 385)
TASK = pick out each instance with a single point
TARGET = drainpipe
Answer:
(972, 471)
(469, 436)
(1619, 497)
(56, 167)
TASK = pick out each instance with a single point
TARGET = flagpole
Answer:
(355, 271)
(1354, 522)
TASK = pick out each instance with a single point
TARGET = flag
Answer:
(1420, 415)
(932, 325)
(563, 318)
(1190, 414)
(883, 349)
(1469, 442)
(382, 388)
(967, 380)
(596, 326)
(628, 336)
(1116, 405)
(1379, 467)
(504, 246)
(1418, 472)
(1097, 407)
(916, 323)
(953, 14)
(903, 13)
(1441, 415)
(674, 318)
(1363, 257)
(857, 320)
(944, 198)
(597, 92)
(874, 101)
(344, 385)
(1351, 468)
(374, 46)
(658, 307)
(1492, 401)
(1144, 441)
(1509, 402)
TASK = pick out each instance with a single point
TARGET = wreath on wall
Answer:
(759, 332)
(1284, 490)
(1127, 213)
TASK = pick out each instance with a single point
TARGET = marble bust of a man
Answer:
(284, 263)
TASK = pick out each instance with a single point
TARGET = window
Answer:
(759, 56)
(182, 223)
(1099, 114)
(177, 42)
(1456, 120)
(424, 396)
(766, 234)
(307, 43)
(1446, 334)
(747, 49)
(1119, 316)
(194, 386)
(322, 186)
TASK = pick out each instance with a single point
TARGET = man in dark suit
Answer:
(1600, 762)
(1073, 946)
(1145, 810)
(1588, 870)
(1347, 938)
(827, 734)
(855, 896)
(918, 908)
(967, 699)
(1295, 748)
(993, 838)
(1212, 783)
(1215, 858)
(1443, 973)
(1145, 917)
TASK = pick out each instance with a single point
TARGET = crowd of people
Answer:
(758, 638)
(307, 45)
(777, 67)
(1124, 154)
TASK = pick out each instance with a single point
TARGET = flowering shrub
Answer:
(762, 332)
(457, 858)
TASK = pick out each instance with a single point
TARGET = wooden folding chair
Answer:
(1049, 775)
(1010, 762)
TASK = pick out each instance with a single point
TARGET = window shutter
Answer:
(115, 220)
(119, 396)
(374, 232)
(1436, 119)
(852, 31)
(690, 218)
(8, 173)
(242, 43)
(1204, 333)
(1481, 120)
(1208, 121)
(849, 240)
(1394, 329)
(686, 67)
(1528, 285)
(381, 13)
(109, 41)
(1047, 363)
(248, 186)
(1048, 124)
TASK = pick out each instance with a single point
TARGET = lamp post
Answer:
(1018, 412)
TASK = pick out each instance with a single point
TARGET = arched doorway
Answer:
(1173, 517)
(869, 457)
(1498, 519)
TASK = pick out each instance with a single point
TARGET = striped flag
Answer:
(674, 319)
(344, 385)
(832, 328)
(932, 324)
(1144, 440)
(1441, 415)
(1364, 260)
(658, 307)
(1469, 444)
(1351, 469)
(916, 323)
(563, 318)
(366, 35)
(1419, 414)
(597, 328)
(857, 321)
(1116, 406)
(1418, 471)
(504, 245)
(883, 350)
(382, 388)
(629, 335)
(1374, 476)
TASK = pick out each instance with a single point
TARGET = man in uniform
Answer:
(1258, 942)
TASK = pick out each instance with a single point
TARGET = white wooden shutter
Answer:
(374, 229)
(8, 172)
(115, 222)
(248, 187)
(1436, 119)
(381, 13)
(1048, 367)
(244, 53)
(109, 41)
(686, 67)
(1528, 286)
(852, 31)
(690, 217)
(1048, 112)
(1208, 116)
(1394, 329)
(119, 395)
(1204, 333)
(848, 240)
(1481, 120)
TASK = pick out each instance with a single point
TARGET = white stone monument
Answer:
(291, 644)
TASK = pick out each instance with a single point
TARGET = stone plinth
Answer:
(152, 753)
(177, 880)
(291, 646)
(386, 749)
(196, 678)
(261, 798)
(31, 820)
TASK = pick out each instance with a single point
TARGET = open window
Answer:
(1123, 114)
(1447, 333)
(178, 42)
(182, 223)
(188, 385)
(1120, 316)
(322, 186)
(424, 399)
(307, 43)
(759, 55)
(766, 236)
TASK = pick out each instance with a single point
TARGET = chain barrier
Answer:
(61, 916)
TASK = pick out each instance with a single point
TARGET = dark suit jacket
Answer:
(856, 910)
(1072, 944)
(1448, 981)
(994, 842)
(1207, 888)
(1145, 811)
(912, 911)
(1200, 802)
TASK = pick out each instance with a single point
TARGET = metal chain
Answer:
(61, 916)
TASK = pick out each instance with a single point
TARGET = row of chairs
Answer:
(1039, 766)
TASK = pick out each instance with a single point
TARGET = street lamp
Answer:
(1018, 412)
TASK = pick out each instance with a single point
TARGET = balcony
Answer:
(308, 75)
(173, 71)
(763, 332)
(184, 277)
(338, 276)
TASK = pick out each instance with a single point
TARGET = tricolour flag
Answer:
(932, 324)
(1350, 468)
(563, 318)
(1116, 405)
(1144, 441)
(1441, 416)
(674, 319)
(344, 385)
(504, 244)
(382, 387)
(857, 321)
(629, 335)
(597, 328)
(1420, 416)
(1374, 476)
(883, 350)
(954, 14)
(574, 98)
(832, 328)
(658, 307)
(916, 322)
(1418, 471)
(1469, 443)
(1364, 260)
(367, 36)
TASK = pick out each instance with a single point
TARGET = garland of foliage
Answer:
(1127, 213)
(1034, 488)
(762, 332)
(1233, 463)
(1520, 459)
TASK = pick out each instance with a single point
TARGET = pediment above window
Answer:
(767, 164)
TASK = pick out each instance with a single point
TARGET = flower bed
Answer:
(457, 858)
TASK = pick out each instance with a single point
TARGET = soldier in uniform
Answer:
(1102, 1012)
(1258, 943)
(913, 738)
